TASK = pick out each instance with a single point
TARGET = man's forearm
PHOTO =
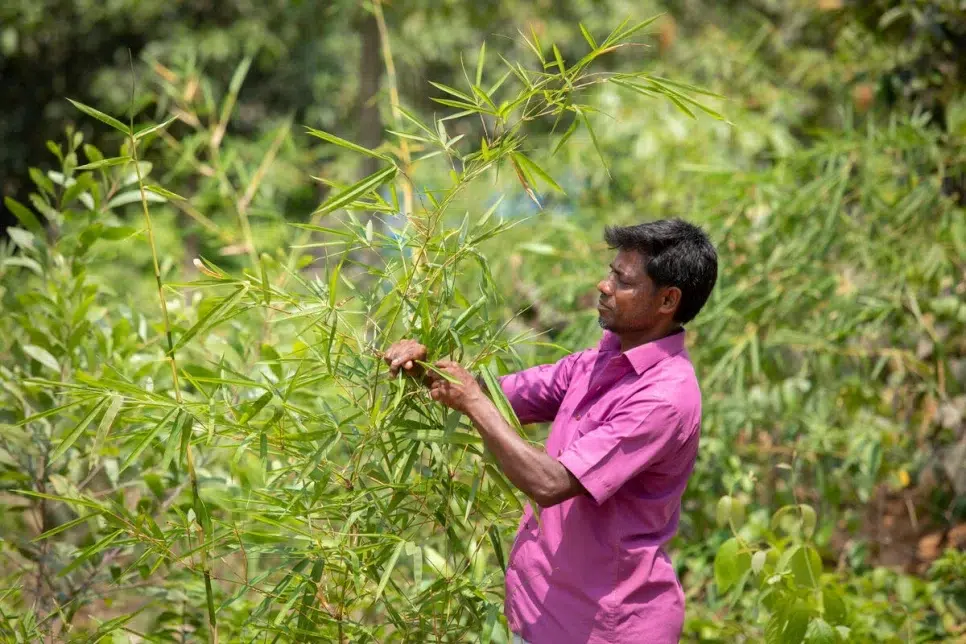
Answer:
(532, 470)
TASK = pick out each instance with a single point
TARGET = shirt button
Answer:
(577, 416)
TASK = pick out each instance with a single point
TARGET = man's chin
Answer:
(604, 324)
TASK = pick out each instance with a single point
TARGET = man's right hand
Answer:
(403, 354)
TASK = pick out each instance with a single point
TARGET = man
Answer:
(626, 420)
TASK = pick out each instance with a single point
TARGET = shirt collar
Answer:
(647, 355)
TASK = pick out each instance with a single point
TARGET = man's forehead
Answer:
(629, 261)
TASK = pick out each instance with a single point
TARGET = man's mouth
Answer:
(601, 305)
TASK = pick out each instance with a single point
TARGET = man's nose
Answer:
(604, 287)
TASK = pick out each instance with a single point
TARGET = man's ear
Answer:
(670, 299)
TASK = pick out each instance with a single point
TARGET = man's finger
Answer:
(409, 365)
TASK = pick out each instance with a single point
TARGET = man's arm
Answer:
(537, 474)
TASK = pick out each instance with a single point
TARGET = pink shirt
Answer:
(627, 426)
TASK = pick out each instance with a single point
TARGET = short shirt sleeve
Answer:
(536, 393)
(640, 434)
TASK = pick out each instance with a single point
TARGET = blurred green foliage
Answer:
(827, 504)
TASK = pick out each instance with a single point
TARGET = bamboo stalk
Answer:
(172, 359)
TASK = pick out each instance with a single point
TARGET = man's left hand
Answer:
(461, 395)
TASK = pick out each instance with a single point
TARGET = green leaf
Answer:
(105, 163)
(590, 39)
(593, 138)
(348, 145)
(393, 558)
(808, 520)
(84, 555)
(469, 312)
(479, 64)
(101, 116)
(107, 420)
(624, 35)
(42, 356)
(533, 168)
(820, 632)
(146, 440)
(134, 196)
(758, 561)
(723, 511)
(834, 605)
(497, 544)
(150, 129)
(212, 317)
(164, 192)
(730, 564)
(21, 237)
(77, 187)
(63, 527)
(256, 407)
(53, 411)
(806, 566)
(117, 233)
(78, 429)
(357, 190)
(25, 216)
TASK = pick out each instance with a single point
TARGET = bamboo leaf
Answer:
(107, 420)
(357, 190)
(146, 440)
(534, 169)
(348, 145)
(78, 429)
(393, 558)
(164, 192)
(214, 315)
(105, 163)
(151, 129)
(101, 116)
(479, 65)
(593, 138)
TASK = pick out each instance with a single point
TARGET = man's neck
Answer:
(637, 338)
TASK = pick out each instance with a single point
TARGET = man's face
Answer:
(629, 301)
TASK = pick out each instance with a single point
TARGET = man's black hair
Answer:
(676, 253)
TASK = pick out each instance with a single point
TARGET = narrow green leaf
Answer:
(590, 39)
(494, 535)
(566, 136)
(54, 410)
(212, 317)
(632, 30)
(143, 132)
(84, 555)
(533, 168)
(25, 216)
(75, 433)
(63, 527)
(256, 407)
(479, 64)
(357, 190)
(101, 116)
(104, 163)
(393, 558)
(146, 440)
(107, 420)
(348, 145)
(164, 192)
(593, 138)
(266, 285)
